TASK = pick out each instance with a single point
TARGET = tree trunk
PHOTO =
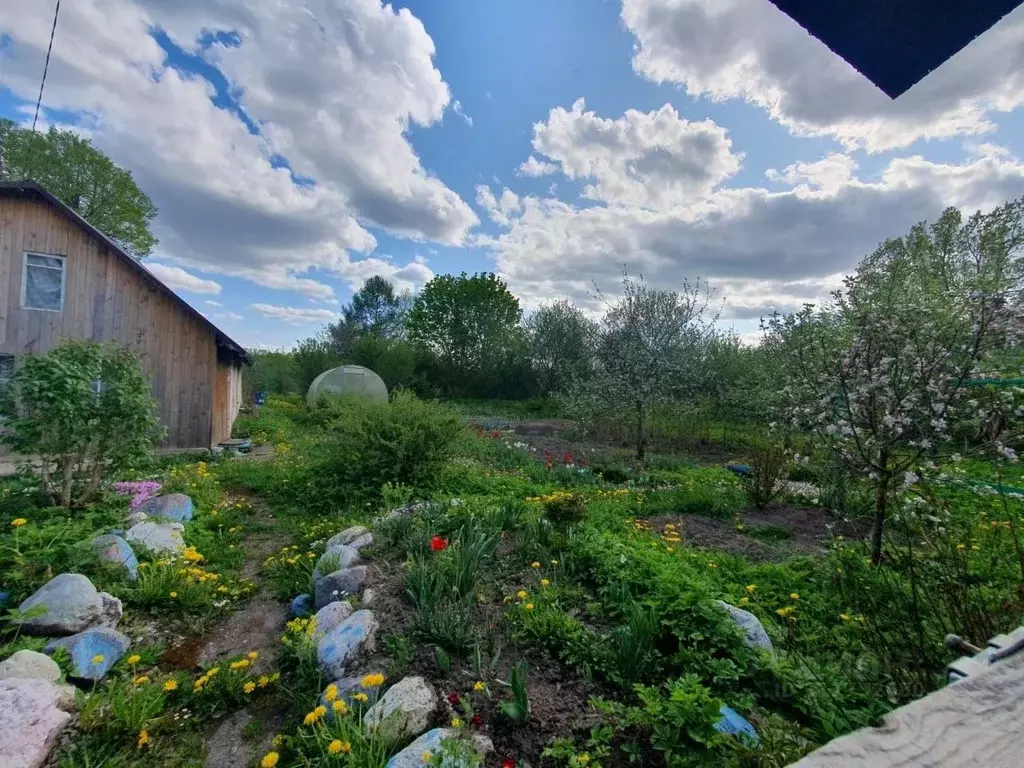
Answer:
(641, 441)
(881, 502)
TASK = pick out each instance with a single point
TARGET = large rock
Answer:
(335, 558)
(363, 541)
(69, 603)
(30, 664)
(336, 586)
(115, 551)
(756, 637)
(338, 648)
(733, 723)
(30, 722)
(330, 616)
(93, 652)
(160, 538)
(405, 710)
(412, 756)
(302, 605)
(174, 506)
(347, 536)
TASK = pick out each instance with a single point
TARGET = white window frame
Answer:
(24, 278)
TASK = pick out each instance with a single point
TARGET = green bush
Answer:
(366, 445)
(562, 508)
(769, 463)
(84, 409)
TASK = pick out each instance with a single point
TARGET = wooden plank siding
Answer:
(108, 300)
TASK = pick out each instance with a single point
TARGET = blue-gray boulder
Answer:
(69, 603)
(302, 605)
(159, 538)
(335, 558)
(330, 616)
(347, 536)
(93, 652)
(363, 541)
(338, 585)
(338, 648)
(174, 506)
(412, 755)
(735, 724)
(115, 551)
(756, 636)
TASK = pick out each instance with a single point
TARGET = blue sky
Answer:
(296, 148)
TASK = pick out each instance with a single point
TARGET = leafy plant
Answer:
(517, 710)
(563, 508)
(680, 717)
(769, 465)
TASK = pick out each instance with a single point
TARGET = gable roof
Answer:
(895, 43)
(31, 189)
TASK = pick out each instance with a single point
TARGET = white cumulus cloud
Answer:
(295, 314)
(180, 280)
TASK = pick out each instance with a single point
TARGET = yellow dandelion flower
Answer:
(331, 693)
(535, 564)
(339, 707)
(240, 664)
(141, 680)
(249, 687)
(554, 562)
(360, 697)
(456, 722)
(143, 738)
(425, 757)
(479, 686)
(18, 522)
(522, 594)
(170, 685)
(744, 600)
(213, 671)
(264, 681)
(794, 596)
(99, 658)
(844, 616)
(269, 760)
(334, 748)
(173, 595)
(252, 655)
(134, 659)
(372, 681)
(528, 606)
(750, 588)
(544, 582)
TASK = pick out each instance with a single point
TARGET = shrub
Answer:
(84, 409)
(769, 464)
(562, 508)
(405, 441)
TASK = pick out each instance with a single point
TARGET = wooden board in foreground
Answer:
(976, 722)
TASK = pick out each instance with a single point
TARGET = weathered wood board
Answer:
(976, 722)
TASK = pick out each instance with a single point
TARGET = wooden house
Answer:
(60, 277)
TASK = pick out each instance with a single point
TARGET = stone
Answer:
(30, 722)
(115, 551)
(733, 723)
(5, 598)
(338, 648)
(412, 755)
(346, 688)
(330, 616)
(363, 541)
(347, 536)
(174, 506)
(405, 710)
(30, 664)
(136, 517)
(335, 558)
(743, 470)
(756, 637)
(70, 604)
(368, 597)
(335, 586)
(302, 605)
(159, 538)
(102, 643)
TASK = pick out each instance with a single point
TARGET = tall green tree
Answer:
(377, 310)
(561, 340)
(83, 178)
(469, 327)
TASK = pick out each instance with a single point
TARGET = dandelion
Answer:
(334, 748)
(339, 707)
(252, 655)
(134, 659)
(314, 717)
(794, 596)
(544, 582)
(425, 757)
(554, 562)
(18, 522)
(522, 594)
(140, 680)
(174, 595)
(331, 693)
(844, 616)
(98, 659)
(712, 564)
(456, 722)
(528, 606)
(270, 760)
(170, 685)
(372, 681)
(249, 687)
(361, 697)
(583, 759)
(744, 600)
(240, 664)
(750, 588)
(479, 686)
(535, 564)
(264, 681)
(143, 738)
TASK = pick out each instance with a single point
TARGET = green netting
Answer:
(349, 380)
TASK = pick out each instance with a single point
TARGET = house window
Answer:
(42, 282)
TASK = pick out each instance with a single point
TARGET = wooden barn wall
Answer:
(107, 300)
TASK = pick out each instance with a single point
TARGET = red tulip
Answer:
(495, 434)
(476, 721)
(437, 543)
(453, 699)
(567, 458)
(508, 764)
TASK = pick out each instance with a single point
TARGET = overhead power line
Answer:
(46, 67)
